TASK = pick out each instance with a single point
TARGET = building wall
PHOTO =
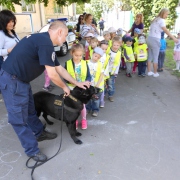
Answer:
(67, 12)
(24, 25)
(39, 17)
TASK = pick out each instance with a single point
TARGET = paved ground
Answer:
(134, 138)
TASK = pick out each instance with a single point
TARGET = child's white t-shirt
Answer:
(102, 60)
(93, 68)
(156, 27)
(77, 69)
(111, 61)
(177, 46)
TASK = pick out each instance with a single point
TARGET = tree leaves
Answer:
(151, 8)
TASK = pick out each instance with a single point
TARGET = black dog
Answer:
(50, 104)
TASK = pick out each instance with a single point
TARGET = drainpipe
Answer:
(40, 13)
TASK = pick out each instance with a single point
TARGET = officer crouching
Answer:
(30, 57)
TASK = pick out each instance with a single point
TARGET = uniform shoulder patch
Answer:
(53, 56)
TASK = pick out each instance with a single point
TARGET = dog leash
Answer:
(37, 163)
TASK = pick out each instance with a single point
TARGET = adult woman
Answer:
(7, 34)
(157, 26)
(78, 27)
(138, 23)
(88, 27)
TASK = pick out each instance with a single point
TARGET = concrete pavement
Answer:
(134, 138)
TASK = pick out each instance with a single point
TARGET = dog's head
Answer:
(84, 95)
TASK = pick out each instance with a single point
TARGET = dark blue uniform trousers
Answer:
(19, 103)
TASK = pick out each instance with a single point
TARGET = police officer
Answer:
(31, 56)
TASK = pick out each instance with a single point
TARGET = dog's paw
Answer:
(78, 134)
(50, 123)
(78, 142)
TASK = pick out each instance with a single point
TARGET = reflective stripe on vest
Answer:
(129, 53)
(109, 47)
(71, 71)
(141, 51)
(136, 43)
(90, 51)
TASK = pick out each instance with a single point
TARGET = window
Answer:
(58, 9)
(27, 7)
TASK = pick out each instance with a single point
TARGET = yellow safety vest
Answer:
(70, 70)
(98, 74)
(116, 63)
(90, 51)
(109, 47)
(130, 54)
(136, 43)
(105, 65)
(141, 52)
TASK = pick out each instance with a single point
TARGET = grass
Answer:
(169, 63)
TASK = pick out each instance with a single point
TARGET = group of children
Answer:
(99, 63)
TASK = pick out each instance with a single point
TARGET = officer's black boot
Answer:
(39, 157)
(45, 135)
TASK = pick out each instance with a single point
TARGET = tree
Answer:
(10, 3)
(151, 8)
(80, 8)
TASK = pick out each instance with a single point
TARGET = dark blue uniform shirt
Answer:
(29, 57)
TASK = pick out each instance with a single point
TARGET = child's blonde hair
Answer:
(117, 39)
(94, 39)
(77, 47)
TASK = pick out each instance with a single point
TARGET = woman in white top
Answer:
(88, 27)
(157, 26)
(8, 37)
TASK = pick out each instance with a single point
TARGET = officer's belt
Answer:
(58, 104)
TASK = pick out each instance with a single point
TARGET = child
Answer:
(114, 63)
(128, 55)
(123, 64)
(134, 45)
(88, 38)
(112, 32)
(141, 55)
(97, 74)
(79, 70)
(47, 86)
(93, 44)
(177, 53)
(119, 32)
(105, 62)
(162, 51)
(107, 38)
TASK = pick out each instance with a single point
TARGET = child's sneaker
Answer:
(155, 75)
(76, 124)
(143, 75)
(46, 89)
(111, 99)
(139, 75)
(127, 74)
(130, 75)
(94, 113)
(84, 124)
(101, 104)
(51, 86)
(150, 73)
